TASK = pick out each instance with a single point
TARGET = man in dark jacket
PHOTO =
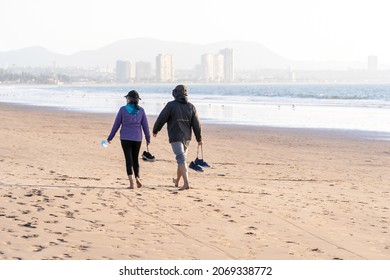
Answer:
(182, 118)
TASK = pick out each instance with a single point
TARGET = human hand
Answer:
(154, 134)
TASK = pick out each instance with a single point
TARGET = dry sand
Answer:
(270, 194)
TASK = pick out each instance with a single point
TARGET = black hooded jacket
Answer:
(182, 118)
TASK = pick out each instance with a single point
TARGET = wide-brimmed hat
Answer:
(133, 94)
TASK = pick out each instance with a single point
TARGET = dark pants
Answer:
(131, 152)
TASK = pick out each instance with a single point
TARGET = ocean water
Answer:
(362, 107)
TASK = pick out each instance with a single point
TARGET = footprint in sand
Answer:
(61, 196)
(30, 236)
(69, 214)
(38, 248)
(316, 250)
(39, 207)
(292, 242)
(28, 225)
(11, 217)
(51, 222)
(83, 248)
(134, 256)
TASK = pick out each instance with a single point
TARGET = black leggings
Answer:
(131, 152)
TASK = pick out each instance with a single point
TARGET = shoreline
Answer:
(276, 194)
(325, 132)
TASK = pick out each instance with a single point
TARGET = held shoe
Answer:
(201, 162)
(195, 167)
(148, 156)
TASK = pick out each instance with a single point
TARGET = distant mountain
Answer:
(248, 55)
(33, 56)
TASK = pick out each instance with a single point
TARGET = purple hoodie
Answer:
(131, 125)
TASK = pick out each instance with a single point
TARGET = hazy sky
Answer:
(337, 30)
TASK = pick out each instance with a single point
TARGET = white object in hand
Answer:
(104, 144)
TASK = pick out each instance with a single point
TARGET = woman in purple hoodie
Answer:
(132, 120)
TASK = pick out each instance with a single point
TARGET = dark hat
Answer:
(133, 94)
(180, 89)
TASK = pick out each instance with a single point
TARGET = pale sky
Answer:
(319, 30)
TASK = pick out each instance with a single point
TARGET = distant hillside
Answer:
(248, 55)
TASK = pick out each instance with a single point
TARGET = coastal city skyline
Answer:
(213, 67)
(217, 67)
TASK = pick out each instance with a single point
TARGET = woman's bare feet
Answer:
(139, 184)
(175, 181)
(131, 182)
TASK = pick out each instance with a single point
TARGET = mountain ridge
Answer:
(248, 55)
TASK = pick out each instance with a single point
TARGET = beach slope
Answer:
(269, 194)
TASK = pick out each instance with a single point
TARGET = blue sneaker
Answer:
(195, 167)
(201, 162)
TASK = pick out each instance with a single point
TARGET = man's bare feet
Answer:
(175, 181)
(183, 188)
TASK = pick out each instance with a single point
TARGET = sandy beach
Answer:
(271, 193)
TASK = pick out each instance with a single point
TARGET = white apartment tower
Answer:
(122, 71)
(165, 71)
(219, 62)
(207, 64)
(143, 71)
(228, 55)
(212, 67)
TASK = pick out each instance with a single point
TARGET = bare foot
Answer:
(183, 188)
(139, 184)
(131, 181)
(175, 181)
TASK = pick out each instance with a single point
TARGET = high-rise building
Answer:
(143, 71)
(212, 67)
(207, 64)
(122, 71)
(228, 66)
(372, 63)
(219, 62)
(132, 71)
(165, 71)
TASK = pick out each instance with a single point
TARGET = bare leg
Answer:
(184, 173)
(131, 182)
(137, 180)
(178, 176)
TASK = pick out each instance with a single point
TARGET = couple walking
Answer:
(181, 118)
